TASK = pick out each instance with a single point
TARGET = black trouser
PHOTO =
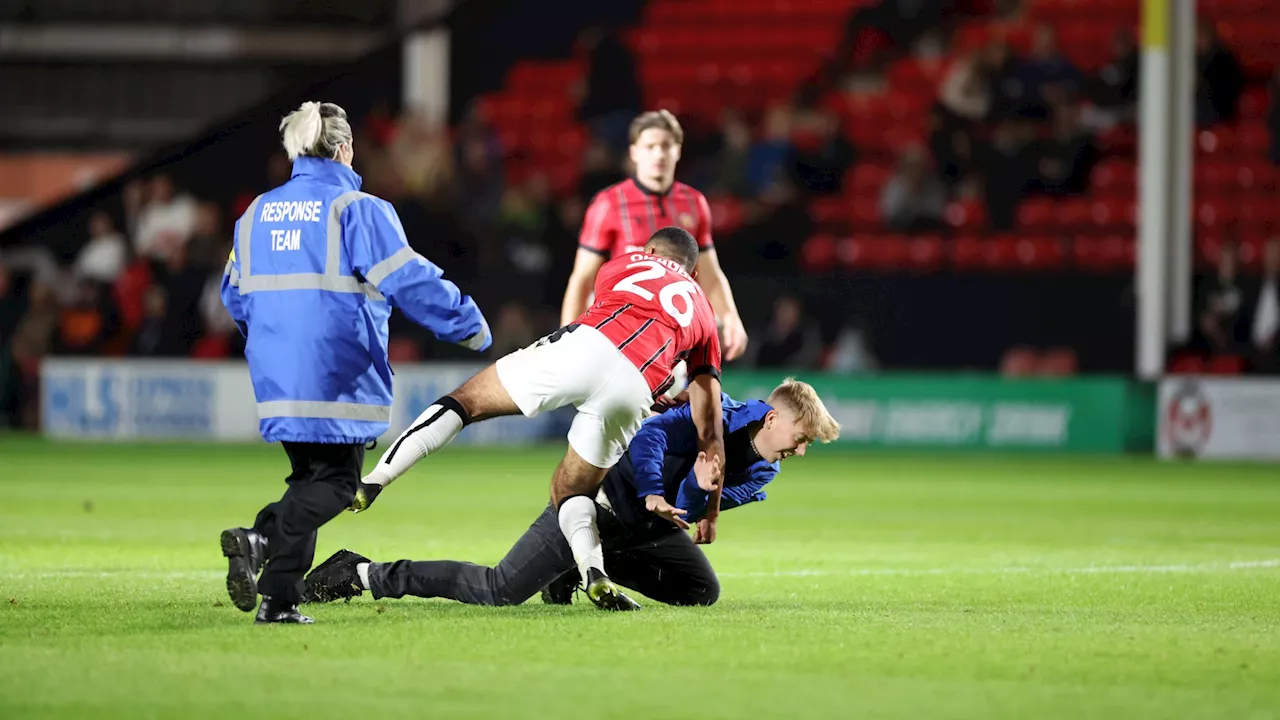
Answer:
(322, 484)
(660, 561)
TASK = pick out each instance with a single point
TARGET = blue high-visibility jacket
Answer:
(316, 268)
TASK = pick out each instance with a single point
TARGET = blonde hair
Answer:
(656, 120)
(802, 400)
(315, 130)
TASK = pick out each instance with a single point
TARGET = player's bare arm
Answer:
(704, 406)
(586, 264)
(716, 286)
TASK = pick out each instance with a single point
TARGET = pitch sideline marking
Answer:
(853, 572)
(1021, 569)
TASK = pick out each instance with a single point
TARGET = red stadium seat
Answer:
(966, 252)
(926, 254)
(818, 254)
(1225, 365)
(1038, 253)
(966, 214)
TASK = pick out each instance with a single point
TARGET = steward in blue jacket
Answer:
(644, 540)
(316, 267)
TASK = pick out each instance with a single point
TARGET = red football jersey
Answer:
(623, 216)
(656, 315)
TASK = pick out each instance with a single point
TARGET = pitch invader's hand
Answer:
(708, 472)
(366, 493)
(705, 534)
(659, 506)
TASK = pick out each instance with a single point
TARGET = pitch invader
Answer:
(611, 363)
(622, 216)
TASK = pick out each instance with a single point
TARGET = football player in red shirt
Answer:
(611, 363)
(623, 216)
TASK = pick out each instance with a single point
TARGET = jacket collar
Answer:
(330, 172)
(738, 415)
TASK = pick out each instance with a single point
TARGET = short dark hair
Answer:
(676, 244)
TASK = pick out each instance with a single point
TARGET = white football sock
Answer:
(436, 427)
(362, 570)
(578, 523)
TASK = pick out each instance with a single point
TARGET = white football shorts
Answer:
(581, 368)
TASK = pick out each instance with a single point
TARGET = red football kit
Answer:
(623, 216)
(654, 312)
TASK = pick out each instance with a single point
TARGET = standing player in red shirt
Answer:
(623, 215)
(611, 363)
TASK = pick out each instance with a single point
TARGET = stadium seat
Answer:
(818, 254)
(1225, 365)
(926, 254)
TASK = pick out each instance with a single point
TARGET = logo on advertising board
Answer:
(172, 406)
(1189, 419)
(106, 403)
(82, 404)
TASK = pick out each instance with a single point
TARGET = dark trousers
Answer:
(660, 561)
(322, 484)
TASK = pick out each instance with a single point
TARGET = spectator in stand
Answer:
(32, 340)
(790, 341)
(1114, 90)
(965, 92)
(87, 322)
(731, 161)
(1007, 164)
(852, 353)
(156, 338)
(165, 222)
(914, 199)
(1008, 94)
(174, 313)
(424, 159)
(104, 257)
(10, 314)
(610, 95)
(819, 164)
(1219, 78)
(480, 185)
(1066, 157)
(515, 328)
(768, 159)
(1266, 313)
(903, 21)
(950, 147)
(1047, 78)
(1273, 116)
(208, 246)
(10, 304)
(599, 170)
(1220, 316)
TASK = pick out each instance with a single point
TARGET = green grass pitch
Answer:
(866, 586)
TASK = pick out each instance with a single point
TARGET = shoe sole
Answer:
(242, 586)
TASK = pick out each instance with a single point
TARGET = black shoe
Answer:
(268, 612)
(560, 591)
(245, 550)
(366, 493)
(606, 595)
(335, 578)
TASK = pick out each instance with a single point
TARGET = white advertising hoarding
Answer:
(1219, 418)
(105, 399)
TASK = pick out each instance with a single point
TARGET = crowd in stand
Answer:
(1003, 128)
